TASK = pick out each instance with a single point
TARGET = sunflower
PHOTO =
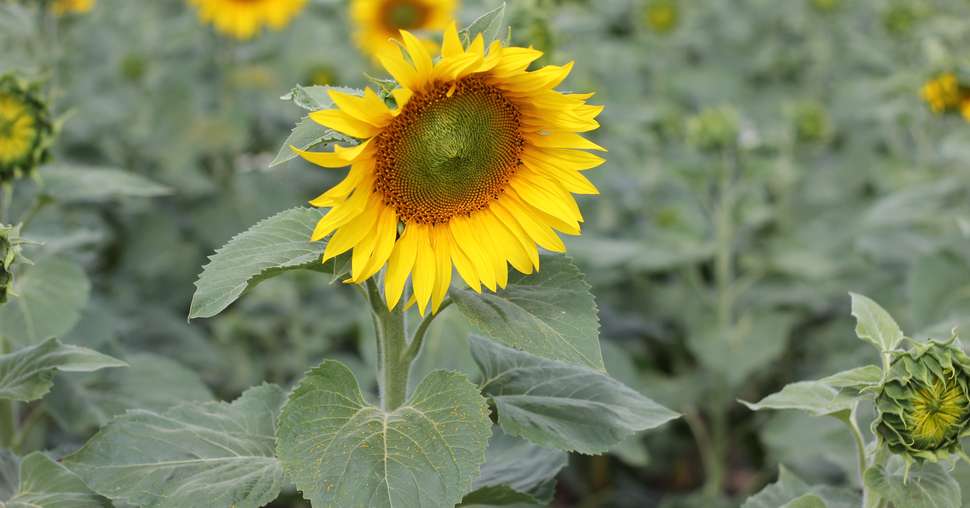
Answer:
(61, 7)
(243, 18)
(943, 93)
(25, 128)
(478, 160)
(378, 21)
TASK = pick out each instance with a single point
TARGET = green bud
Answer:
(322, 74)
(923, 404)
(26, 129)
(826, 5)
(811, 122)
(713, 128)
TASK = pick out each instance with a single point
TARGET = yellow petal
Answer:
(338, 193)
(354, 231)
(468, 243)
(340, 157)
(466, 269)
(399, 266)
(441, 243)
(369, 108)
(343, 122)
(423, 276)
(385, 233)
(451, 45)
(506, 243)
(539, 232)
(399, 68)
(421, 59)
(542, 198)
(562, 140)
(527, 243)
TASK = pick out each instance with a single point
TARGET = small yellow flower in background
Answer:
(25, 128)
(942, 93)
(965, 109)
(243, 19)
(61, 7)
(662, 16)
(322, 74)
(479, 160)
(378, 21)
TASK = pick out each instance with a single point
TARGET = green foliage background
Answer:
(765, 158)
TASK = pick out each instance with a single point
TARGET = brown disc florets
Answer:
(451, 151)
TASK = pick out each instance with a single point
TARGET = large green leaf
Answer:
(152, 382)
(564, 406)
(316, 97)
(195, 455)
(28, 373)
(791, 492)
(874, 324)
(70, 184)
(550, 314)
(752, 342)
(925, 486)
(834, 394)
(47, 302)
(42, 483)
(341, 451)
(516, 471)
(279, 243)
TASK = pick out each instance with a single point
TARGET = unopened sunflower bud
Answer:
(26, 130)
(714, 128)
(811, 122)
(923, 406)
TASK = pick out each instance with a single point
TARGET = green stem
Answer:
(860, 443)
(724, 257)
(394, 367)
(707, 449)
(8, 413)
(415, 346)
(39, 204)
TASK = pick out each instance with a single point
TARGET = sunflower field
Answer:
(438, 253)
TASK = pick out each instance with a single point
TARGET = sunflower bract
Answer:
(923, 405)
(479, 161)
(243, 19)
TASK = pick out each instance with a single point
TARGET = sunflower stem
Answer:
(418, 340)
(860, 443)
(8, 413)
(394, 367)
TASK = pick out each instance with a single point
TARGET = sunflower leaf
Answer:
(516, 471)
(28, 373)
(46, 301)
(39, 482)
(273, 246)
(195, 455)
(72, 184)
(306, 135)
(875, 325)
(489, 25)
(551, 313)
(831, 395)
(925, 486)
(316, 97)
(792, 492)
(341, 451)
(565, 406)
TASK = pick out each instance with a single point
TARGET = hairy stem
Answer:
(393, 365)
(8, 412)
(415, 346)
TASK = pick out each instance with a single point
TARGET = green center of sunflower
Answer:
(448, 154)
(17, 131)
(938, 411)
(404, 14)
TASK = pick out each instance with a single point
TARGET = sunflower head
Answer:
(473, 168)
(244, 19)
(62, 7)
(923, 405)
(379, 21)
(662, 16)
(943, 93)
(26, 131)
(9, 253)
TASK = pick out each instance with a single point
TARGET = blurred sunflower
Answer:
(242, 19)
(378, 21)
(61, 7)
(25, 128)
(479, 160)
(944, 93)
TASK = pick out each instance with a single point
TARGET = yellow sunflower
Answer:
(478, 161)
(61, 7)
(965, 109)
(25, 129)
(942, 93)
(378, 21)
(242, 19)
